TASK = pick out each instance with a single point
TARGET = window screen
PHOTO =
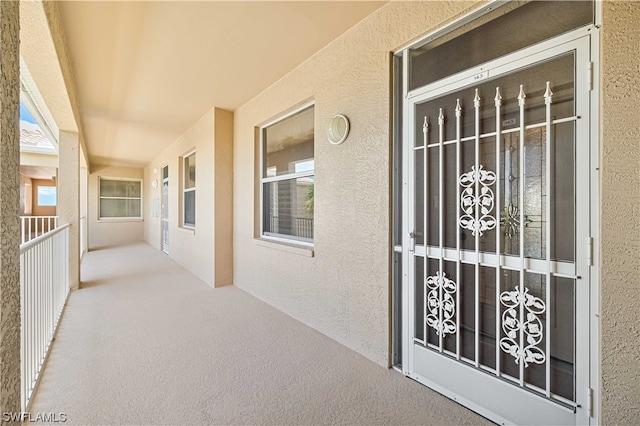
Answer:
(496, 34)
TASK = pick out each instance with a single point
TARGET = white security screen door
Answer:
(496, 216)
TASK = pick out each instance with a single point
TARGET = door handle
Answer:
(412, 241)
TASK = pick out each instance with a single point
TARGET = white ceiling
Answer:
(146, 71)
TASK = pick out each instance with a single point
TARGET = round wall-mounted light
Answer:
(338, 129)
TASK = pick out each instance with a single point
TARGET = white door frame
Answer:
(587, 388)
(164, 211)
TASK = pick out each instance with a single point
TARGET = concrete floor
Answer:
(146, 342)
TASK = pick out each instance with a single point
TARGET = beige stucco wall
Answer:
(343, 290)
(9, 206)
(26, 195)
(111, 232)
(38, 210)
(620, 207)
(84, 210)
(223, 197)
(193, 249)
(68, 208)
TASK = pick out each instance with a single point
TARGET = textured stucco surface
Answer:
(111, 232)
(620, 208)
(69, 199)
(193, 249)
(343, 290)
(43, 47)
(69, 109)
(9, 208)
(38, 49)
(223, 197)
(207, 250)
(84, 210)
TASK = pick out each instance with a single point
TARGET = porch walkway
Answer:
(146, 342)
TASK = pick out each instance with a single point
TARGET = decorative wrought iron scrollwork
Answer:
(470, 201)
(441, 304)
(530, 326)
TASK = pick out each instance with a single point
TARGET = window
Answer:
(287, 177)
(120, 198)
(46, 196)
(189, 190)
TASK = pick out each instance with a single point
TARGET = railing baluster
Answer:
(44, 286)
(34, 226)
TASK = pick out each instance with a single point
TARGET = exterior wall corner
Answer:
(10, 368)
(619, 201)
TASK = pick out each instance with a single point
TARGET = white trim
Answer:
(184, 190)
(274, 236)
(164, 244)
(586, 165)
(187, 230)
(407, 257)
(120, 219)
(120, 178)
(289, 113)
(189, 153)
(594, 309)
(36, 105)
(436, 369)
(521, 57)
(452, 26)
(286, 246)
(288, 176)
(281, 238)
(38, 150)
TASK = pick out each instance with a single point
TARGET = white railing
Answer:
(33, 226)
(44, 286)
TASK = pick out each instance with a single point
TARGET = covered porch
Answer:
(146, 342)
(254, 314)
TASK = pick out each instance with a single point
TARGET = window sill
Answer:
(293, 248)
(191, 231)
(120, 219)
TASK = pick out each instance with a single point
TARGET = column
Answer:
(69, 199)
(9, 209)
(223, 198)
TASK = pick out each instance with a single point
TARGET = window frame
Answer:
(184, 190)
(263, 178)
(121, 218)
(55, 204)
